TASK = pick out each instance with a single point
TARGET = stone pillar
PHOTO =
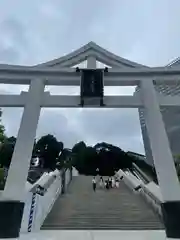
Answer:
(147, 147)
(12, 205)
(91, 62)
(163, 160)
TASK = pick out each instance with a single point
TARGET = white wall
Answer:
(43, 204)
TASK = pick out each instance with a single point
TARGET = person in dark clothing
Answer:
(107, 184)
(110, 182)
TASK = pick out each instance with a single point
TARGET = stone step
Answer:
(81, 208)
(100, 227)
(110, 221)
(117, 219)
(121, 225)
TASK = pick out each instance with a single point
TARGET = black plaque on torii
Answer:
(92, 86)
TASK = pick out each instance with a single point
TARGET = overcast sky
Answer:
(37, 31)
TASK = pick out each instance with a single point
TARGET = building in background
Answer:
(171, 117)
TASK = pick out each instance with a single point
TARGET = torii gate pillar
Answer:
(163, 160)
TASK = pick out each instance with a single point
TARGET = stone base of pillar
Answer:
(171, 217)
(11, 213)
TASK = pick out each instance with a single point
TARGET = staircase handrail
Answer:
(143, 176)
(139, 186)
(45, 180)
(151, 195)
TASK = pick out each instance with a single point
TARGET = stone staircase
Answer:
(114, 209)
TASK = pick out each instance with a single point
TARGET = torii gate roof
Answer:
(91, 49)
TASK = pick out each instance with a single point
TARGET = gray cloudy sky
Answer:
(36, 31)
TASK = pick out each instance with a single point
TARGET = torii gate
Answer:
(59, 72)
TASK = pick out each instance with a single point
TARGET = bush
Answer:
(2, 181)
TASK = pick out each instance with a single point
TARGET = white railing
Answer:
(152, 198)
(37, 206)
(130, 180)
(150, 191)
(46, 202)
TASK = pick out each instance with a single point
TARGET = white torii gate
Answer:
(123, 73)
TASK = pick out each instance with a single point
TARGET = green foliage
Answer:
(178, 170)
(1, 179)
(6, 152)
(78, 147)
(177, 165)
(85, 160)
(103, 156)
(2, 134)
(11, 139)
(2, 131)
(48, 148)
(65, 159)
(1, 174)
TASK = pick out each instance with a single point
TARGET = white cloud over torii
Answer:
(38, 31)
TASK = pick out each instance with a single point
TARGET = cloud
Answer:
(11, 40)
(107, 122)
(70, 126)
(37, 31)
(55, 122)
(118, 126)
(11, 118)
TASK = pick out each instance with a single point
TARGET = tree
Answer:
(6, 152)
(65, 159)
(2, 131)
(177, 164)
(6, 148)
(81, 158)
(11, 139)
(79, 147)
(2, 134)
(48, 148)
(2, 179)
(106, 157)
(89, 161)
(111, 158)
